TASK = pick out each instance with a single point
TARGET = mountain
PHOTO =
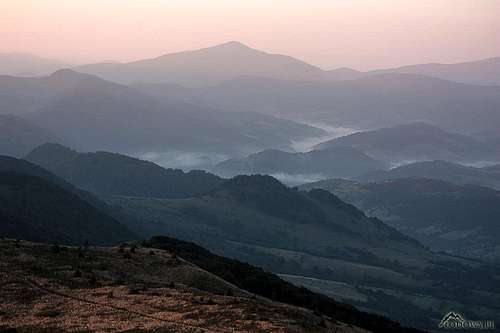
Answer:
(35, 209)
(20, 64)
(343, 162)
(482, 72)
(118, 288)
(19, 136)
(110, 173)
(316, 240)
(415, 142)
(91, 113)
(446, 171)
(206, 66)
(216, 64)
(25, 95)
(368, 102)
(459, 219)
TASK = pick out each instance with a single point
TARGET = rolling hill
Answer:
(111, 173)
(342, 162)
(459, 219)
(416, 142)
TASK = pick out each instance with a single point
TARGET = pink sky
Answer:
(328, 33)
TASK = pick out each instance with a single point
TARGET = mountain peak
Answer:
(254, 182)
(68, 76)
(65, 72)
(47, 147)
(53, 150)
(233, 45)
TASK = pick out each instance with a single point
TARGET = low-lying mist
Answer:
(295, 180)
(302, 146)
(184, 160)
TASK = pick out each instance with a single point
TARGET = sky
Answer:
(360, 34)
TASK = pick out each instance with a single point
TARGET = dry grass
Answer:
(66, 289)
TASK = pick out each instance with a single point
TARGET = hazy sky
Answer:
(361, 34)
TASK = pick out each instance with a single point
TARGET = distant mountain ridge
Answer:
(441, 170)
(230, 60)
(482, 72)
(416, 142)
(372, 101)
(205, 66)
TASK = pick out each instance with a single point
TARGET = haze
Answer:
(358, 34)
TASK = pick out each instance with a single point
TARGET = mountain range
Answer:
(90, 113)
(215, 64)
(373, 101)
(438, 251)
(416, 142)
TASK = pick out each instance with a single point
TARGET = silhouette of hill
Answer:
(35, 209)
(111, 173)
(335, 162)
